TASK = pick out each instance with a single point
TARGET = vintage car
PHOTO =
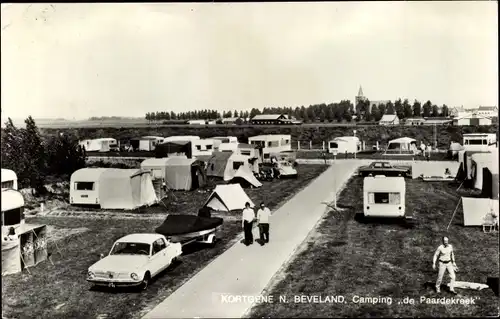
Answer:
(134, 260)
(278, 169)
(383, 168)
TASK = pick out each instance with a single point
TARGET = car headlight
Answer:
(134, 276)
(90, 274)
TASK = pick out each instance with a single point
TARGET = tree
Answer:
(398, 108)
(254, 112)
(329, 113)
(11, 145)
(322, 115)
(35, 158)
(445, 111)
(375, 113)
(390, 108)
(382, 109)
(427, 108)
(407, 109)
(417, 109)
(236, 114)
(64, 155)
(435, 111)
(304, 115)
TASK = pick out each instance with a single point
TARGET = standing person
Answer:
(429, 149)
(446, 258)
(263, 219)
(247, 223)
(422, 148)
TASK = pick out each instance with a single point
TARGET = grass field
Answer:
(61, 291)
(379, 259)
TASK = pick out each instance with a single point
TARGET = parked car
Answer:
(279, 169)
(134, 260)
(384, 168)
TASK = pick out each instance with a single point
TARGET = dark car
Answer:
(384, 168)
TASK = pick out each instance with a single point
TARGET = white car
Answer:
(134, 260)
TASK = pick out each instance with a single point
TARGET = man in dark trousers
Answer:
(263, 219)
(247, 223)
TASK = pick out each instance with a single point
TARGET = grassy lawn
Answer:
(379, 259)
(61, 291)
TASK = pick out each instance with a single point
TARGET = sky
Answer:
(74, 61)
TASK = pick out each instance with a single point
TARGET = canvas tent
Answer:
(402, 146)
(477, 211)
(156, 166)
(228, 166)
(227, 198)
(168, 149)
(480, 162)
(9, 179)
(112, 188)
(184, 173)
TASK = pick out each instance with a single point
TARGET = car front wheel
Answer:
(145, 281)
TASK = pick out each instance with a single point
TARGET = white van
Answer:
(384, 196)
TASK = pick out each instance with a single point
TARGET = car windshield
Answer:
(123, 248)
(387, 165)
(377, 165)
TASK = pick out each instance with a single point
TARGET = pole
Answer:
(298, 145)
(453, 214)
(356, 150)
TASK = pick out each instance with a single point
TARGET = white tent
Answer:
(477, 211)
(402, 146)
(228, 197)
(479, 161)
(98, 144)
(9, 179)
(246, 174)
(157, 166)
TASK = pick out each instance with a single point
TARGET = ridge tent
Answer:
(477, 211)
(184, 173)
(112, 188)
(168, 149)
(227, 165)
(227, 198)
(402, 146)
(465, 159)
(217, 163)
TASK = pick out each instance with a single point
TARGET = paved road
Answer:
(246, 271)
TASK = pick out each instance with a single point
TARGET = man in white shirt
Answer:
(446, 258)
(247, 223)
(263, 219)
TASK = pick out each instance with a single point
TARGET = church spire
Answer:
(360, 92)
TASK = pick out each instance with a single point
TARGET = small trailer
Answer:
(384, 196)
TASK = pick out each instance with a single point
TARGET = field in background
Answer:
(383, 258)
(61, 291)
(300, 134)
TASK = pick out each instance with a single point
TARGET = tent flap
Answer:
(477, 211)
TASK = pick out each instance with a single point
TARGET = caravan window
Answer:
(209, 147)
(84, 186)
(384, 198)
(13, 216)
(274, 144)
(198, 147)
(237, 165)
(475, 142)
(245, 153)
(333, 145)
(8, 184)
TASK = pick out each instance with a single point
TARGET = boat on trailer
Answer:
(186, 229)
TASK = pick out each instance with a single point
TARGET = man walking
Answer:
(263, 219)
(446, 258)
(247, 223)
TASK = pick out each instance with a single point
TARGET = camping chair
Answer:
(490, 223)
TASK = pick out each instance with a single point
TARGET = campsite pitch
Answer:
(61, 291)
(387, 259)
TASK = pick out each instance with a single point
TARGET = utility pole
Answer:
(435, 137)
(355, 151)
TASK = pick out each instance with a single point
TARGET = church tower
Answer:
(359, 98)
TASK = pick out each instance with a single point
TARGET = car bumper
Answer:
(114, 283)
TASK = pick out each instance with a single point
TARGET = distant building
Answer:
(269, 119)
(389, 119)
(472, 120)
(415, 121)
(360, 98)
(438, 121)
(197, 122)
(487, 111)
(231, 120)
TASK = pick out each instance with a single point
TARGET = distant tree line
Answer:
(343, 111)
(33, 157)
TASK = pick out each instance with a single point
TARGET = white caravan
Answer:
(483, 142)
(384, 196)
(271, 144)
(181, 138)
(202, 147)
(9, 179)
(228, 141)
(99, 144)
(344, 144)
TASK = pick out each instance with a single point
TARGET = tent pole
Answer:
(460, 185)
(453, 214)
